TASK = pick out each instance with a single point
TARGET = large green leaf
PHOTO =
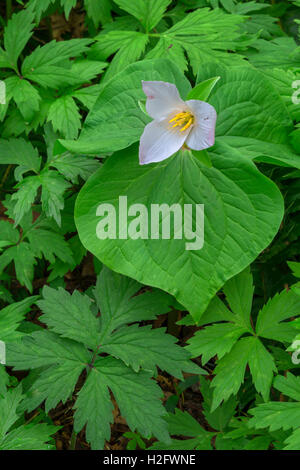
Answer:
(243, 210)
(116, 120)
(252, 117)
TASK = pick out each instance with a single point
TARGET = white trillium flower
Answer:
(175, 122)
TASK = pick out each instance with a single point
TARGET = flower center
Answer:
(184, 120)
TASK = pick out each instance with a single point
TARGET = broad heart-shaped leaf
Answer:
(252, 117)
(243, 210)
(116, 120)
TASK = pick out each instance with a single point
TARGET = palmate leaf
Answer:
(220, 419)
(77, 336)
(16, 34)
(11, 317)
(230, 371)
(53, 184)
(129, 44)
(99, 12)
(281, 414)
(40, 8)
(148, 12)
(19, 152)
(136, 394)
(4, 380)
(70, 316)
(51, 59)
(141, 348)
(236, 352)
(183, 424)
(73, 166)
(65, 117)
(53, 188)
(24, 261)
(203, 34)
(24, 437)
(25, 95)
(37, 240)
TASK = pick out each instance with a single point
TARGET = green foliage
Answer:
(78, 343)
(25, 436)
(109, 354)
(196, 183)
(241, 343)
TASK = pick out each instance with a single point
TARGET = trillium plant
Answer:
(149, 226)
(175, 123)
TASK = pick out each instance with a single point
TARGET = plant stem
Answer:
(73, 440)
(8, 9)
(5, 175)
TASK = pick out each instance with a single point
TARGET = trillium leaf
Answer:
(203, 89)
(252, 117)
(116, 120)
(242, 213)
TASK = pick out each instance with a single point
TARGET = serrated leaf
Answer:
(144, 348)
(54, 53)
(214, 340)
(99, 12)
(19, 152)
(53, 188)
(43, 348)
(137, 395)
(24, 262)
(8, 233)
(129, 44)
(17, 33)
(118, 305)
(49, 244)
(231, 368)
(276, 415)
(70, 316)
(289, 385)
(65, 117)
(25, 197)
(11, 317)
(94, 409)
(73, 166)
(148, 12)
(270, 321)
(26, 96)
(26, 437)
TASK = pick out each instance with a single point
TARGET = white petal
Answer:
(159, 142)
(162, 99)
(202, 136)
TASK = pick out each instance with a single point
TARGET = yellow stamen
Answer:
(190, 121)
(179, 122)
(184, 120)
(179, 115)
